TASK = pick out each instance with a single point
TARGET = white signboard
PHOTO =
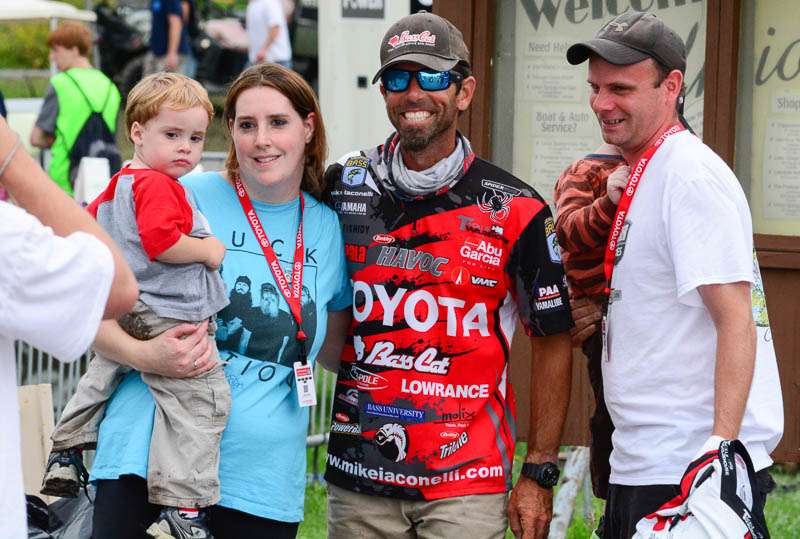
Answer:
(553, 124)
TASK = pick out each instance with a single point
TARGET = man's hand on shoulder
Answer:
(530, 509)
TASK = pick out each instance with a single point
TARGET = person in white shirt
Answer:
(268, 33)
(688, 362)
(61, 274)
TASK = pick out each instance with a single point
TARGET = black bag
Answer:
(95, 139)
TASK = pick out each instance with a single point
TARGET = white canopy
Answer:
(42, 9)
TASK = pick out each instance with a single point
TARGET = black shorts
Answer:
(121, 511)
(627, 505)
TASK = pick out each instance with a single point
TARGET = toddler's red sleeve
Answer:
(162, 212)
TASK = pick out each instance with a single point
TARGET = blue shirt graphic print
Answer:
(263, 458)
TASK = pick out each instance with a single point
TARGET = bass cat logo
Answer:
(497, 200)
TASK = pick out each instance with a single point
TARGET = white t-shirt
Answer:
(53, 293)
(261, 16)
(689, 225)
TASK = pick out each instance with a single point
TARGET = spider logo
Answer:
(496, 204)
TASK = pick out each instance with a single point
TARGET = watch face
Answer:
(548, 474)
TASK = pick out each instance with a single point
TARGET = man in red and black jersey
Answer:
(446, 252)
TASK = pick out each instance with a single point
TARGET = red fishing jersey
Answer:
(423, 408)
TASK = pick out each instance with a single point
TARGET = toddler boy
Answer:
(169, 246)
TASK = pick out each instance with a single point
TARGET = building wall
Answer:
(742, 43)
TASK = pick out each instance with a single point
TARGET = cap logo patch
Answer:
(407, 38)
(618, 26)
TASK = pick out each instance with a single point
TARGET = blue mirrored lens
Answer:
(396, 80)
(432, 81)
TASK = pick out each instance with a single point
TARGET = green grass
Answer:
(33, 86)
(782, 511)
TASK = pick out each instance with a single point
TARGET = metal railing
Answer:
(37, 367)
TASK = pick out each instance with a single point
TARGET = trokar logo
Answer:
(460, 275)
(407, 38)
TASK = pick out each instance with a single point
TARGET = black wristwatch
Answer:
(545, 474)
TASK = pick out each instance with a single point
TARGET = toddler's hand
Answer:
(216, 252)
(617, 181)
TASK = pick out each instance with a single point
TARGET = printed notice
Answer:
(780, 183)
(553, 124)
(559, 134)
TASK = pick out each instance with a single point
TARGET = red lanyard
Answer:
(625, 203)
(292, 294)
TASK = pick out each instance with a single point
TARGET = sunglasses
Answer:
(397, 80)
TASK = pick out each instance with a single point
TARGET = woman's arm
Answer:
(331, 350)
(181, 352)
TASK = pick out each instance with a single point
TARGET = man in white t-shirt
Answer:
(61, 274)
(267, 33)
(685, 364)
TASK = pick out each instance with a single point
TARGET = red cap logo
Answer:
(407, 38)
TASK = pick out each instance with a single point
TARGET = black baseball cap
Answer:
(631, 38)
(423, 38)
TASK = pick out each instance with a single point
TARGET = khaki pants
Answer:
(353, 516)
(191, 414)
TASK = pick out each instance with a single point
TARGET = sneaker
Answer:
(172, 525)
(65, 474)
(600, 531)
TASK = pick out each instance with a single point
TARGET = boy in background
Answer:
(586, 197)
(169, 246)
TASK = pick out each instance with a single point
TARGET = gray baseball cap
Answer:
(423, 38)
(631, 38)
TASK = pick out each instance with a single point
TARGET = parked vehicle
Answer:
(124, 32)
(122, 37)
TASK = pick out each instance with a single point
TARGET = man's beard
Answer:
(416, 140)
(271, 311)
(240, 301)
(416, 143)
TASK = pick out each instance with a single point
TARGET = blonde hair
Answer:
(301, 96)
(71, 35)
(160, 90)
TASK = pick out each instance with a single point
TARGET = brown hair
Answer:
(71, 35)
(159, 90)
(304, 102)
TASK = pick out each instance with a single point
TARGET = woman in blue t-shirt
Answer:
(275, 159)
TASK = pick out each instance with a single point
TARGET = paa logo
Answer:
(355, 171)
